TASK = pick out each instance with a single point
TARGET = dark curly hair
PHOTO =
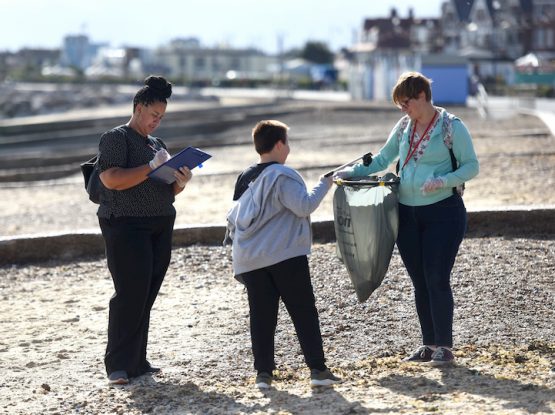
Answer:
(156, 89)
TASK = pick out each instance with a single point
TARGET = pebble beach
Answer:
(54, 313)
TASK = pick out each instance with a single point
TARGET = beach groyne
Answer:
(517, 222)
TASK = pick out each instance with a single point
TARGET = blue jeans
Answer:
(428, 241)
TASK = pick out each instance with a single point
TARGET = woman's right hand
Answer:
(160, 157)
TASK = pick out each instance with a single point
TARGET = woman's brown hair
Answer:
(410, 85)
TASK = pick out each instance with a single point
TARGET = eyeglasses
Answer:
(404, 104)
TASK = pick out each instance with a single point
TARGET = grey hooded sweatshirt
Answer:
(270, 222)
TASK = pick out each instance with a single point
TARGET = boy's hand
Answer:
(342, 174)
(327, 180)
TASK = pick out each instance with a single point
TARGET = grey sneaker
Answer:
(119, 377)
(322, 378)
(420, 355)
(442, 356)
(263, 380)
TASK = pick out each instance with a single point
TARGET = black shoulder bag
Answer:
(91, 174)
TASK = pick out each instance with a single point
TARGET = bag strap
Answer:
(447, 132)
(402, 125)
(243, 182)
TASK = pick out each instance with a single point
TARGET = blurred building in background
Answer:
(387, 47)
(473, 41)
(185, 59)
(500, 44)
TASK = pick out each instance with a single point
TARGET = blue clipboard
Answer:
(191, 157)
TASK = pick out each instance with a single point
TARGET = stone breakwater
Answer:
(538, 222)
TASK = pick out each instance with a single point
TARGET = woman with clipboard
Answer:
(136, 216)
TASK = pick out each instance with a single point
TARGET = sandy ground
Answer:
(54, 315)
(517, 156)
(54, 320)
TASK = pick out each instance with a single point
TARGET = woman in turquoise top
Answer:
(432, 215)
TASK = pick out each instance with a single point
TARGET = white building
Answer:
(185, 59)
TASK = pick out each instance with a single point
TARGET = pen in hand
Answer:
(160, 157)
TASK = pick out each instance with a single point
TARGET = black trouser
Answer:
(428, 241)
(138, 251)
(290, 281)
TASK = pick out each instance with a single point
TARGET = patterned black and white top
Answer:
(124, 147)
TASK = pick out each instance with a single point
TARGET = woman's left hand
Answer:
(182, 176)
(433, 184)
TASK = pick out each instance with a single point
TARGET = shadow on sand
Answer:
(152, 396)
(516, 395)
(323, 400)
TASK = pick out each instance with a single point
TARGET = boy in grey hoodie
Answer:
(269, 225)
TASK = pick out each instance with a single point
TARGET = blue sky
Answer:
(240, 23)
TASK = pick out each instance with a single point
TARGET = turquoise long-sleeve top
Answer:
(430, 160)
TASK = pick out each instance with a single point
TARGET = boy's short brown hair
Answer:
(267, 133)
(409, 85)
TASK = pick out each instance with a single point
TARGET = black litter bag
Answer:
(366, 218)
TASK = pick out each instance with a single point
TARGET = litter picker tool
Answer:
(366, 159)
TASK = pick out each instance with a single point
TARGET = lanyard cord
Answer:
(411, 149)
